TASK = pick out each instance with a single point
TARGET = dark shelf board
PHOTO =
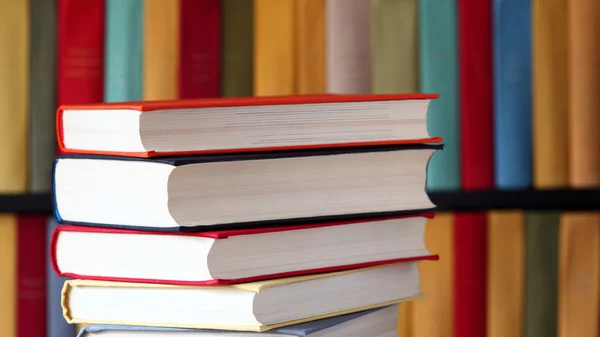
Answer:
(561, 199)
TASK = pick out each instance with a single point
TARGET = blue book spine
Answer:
(123, 50)
(512, 94)
(439, 74)
(57, 325)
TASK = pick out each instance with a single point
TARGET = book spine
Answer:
(57, 326)
(199, 57)
(512, 94)
(310, 46)
(541, 273)
(14, 89)
(8, 277)
(31, 276)
(42, 94)
(395, 66)
(160, 72)
(237, 28)
(438, 72)
(476, 148)
(123, 51)
(274, 54)
(80, 51)
(348, 46)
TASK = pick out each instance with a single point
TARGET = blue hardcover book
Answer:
(123, 51)
(57, 326)
(512, 93)
(375, 322)
(439, 74)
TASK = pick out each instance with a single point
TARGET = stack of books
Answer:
(296, 216)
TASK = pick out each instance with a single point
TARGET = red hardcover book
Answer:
(200, 43)
(31, 274)
(177, 127)
(80, 51)
(251, 254)
(476, 147)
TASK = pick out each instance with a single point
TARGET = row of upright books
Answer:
(292, 216)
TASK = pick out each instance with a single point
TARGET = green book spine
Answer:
(395, 48)
(123, 51)
(237, 48)
(438, 64)
(42, 94)
(541, 273)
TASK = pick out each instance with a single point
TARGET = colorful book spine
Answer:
(541, 274)
(14, 101)
(579, 234)
(348, 46)
(512, 94)
(237, 29)
(123, 51)
(200, 43)
(476, 147)
(438, 72)
(310, 46)
(8, 277)
(42, 94)
(160, 58)
(274, 55)
(80, 51)
(31, 276)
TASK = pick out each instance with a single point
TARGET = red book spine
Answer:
(200, 43)
(31, 274)
(80, 51)
(476, 147)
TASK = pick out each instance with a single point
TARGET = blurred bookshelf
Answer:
(447, 201)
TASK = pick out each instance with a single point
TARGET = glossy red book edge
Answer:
(220, 235)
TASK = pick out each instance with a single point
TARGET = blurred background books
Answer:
(518, 231)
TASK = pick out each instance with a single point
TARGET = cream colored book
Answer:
(256, 306)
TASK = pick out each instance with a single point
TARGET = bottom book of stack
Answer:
(380, 322)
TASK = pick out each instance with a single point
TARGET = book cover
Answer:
(232, 102)
(223, 235)
(253, 287)
(8, 278)
(123, 50)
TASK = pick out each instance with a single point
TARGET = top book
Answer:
(219, 125)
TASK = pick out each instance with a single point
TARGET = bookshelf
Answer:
(455, 201)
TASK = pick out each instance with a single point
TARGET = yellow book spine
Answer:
(579, 275)
(8, 276)
(161, 50)
(550, 93)
(274, 47)
(14, 95)
(432, 316)
(506, 265)
(310, 46)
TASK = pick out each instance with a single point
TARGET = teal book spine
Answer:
(438, 73)
(123, 50)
